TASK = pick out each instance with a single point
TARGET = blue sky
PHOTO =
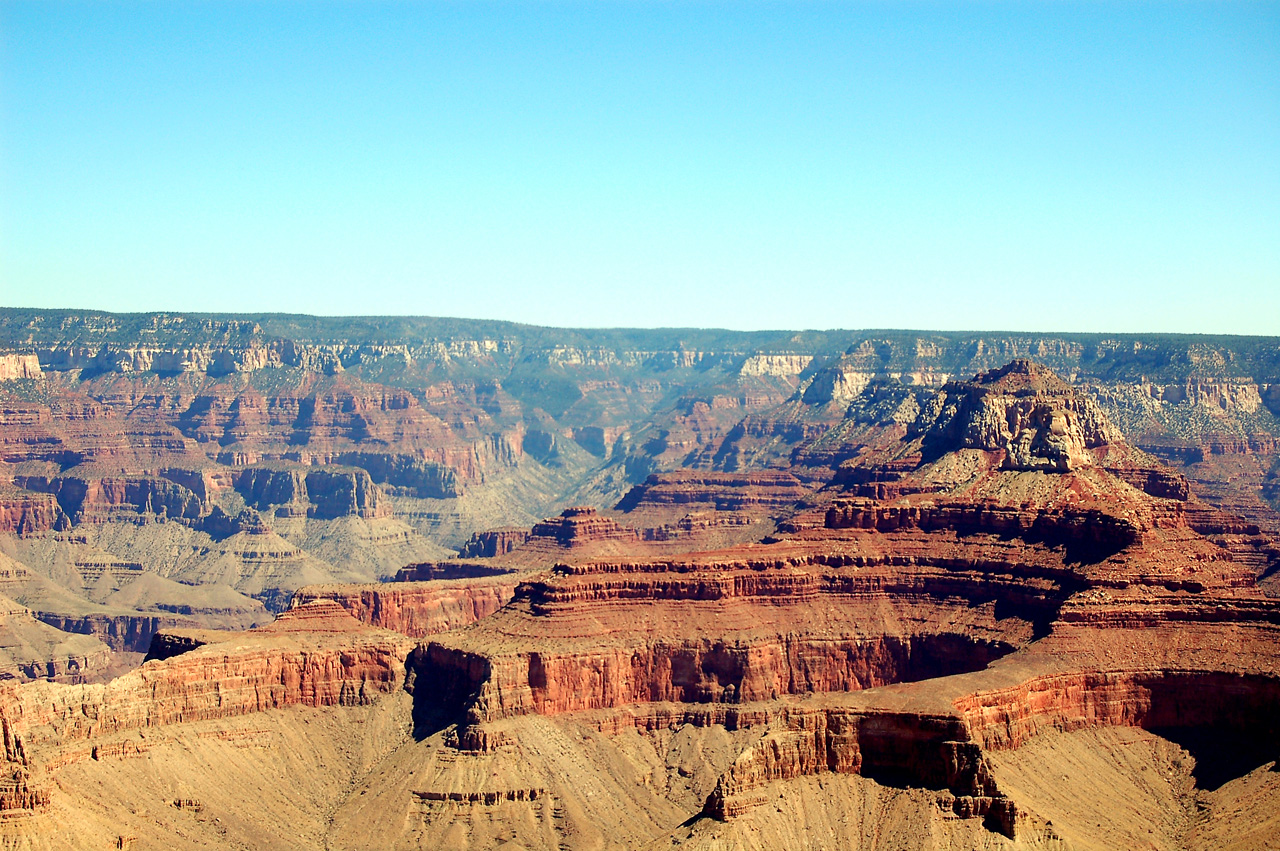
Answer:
(1026, 166)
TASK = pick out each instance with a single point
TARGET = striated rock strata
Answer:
(415, 609)
(1027, 572)
(316, 655)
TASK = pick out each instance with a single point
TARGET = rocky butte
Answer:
(303, 584)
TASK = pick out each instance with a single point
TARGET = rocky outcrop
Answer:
(412, 608)
(922, 750)
(87, 499)
(204, 684)
(401, 441)
(836, 385)
(762, 492)
(166, 645)
(946, 751)
(405, 474)
(24, 512)
(1023, 410)
(579, 526)
(324, 493)
(218, 525)
(727, 631)
(122, 632)
(598, 440)
(1100, 533)
(775, 365)
(449, 569)
(315, 656)
(495, 542)
(1153, 699)
(1214, 395)
(691, 671)
(335, 493)
(19, 366)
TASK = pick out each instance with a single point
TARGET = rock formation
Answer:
(1045, 590)
(412, 608)
(836, 580)
(316, 655)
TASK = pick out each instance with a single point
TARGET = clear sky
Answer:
(1029, 165)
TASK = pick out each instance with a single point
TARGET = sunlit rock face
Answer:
(1026, 412)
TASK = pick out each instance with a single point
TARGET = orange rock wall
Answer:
(40, 718)
(414, 609)
(704, 671)
(1007, 718)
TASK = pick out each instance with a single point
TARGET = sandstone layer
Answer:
(316, 655)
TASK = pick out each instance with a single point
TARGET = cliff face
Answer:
(326, 493)
(316, 656)
(493, 542)
(933, 752)
(1022, 410)
(100, 500)
(23, 513)
(19, 366)
(722, 491)
(1008, 718)
(578, 526)
(695, 671)
(415, 609)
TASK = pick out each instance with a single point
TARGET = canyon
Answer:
(319, 583)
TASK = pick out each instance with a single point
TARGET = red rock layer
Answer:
(1007, 718)
(608, 635)
(763, 491)
(23, 512)
(1108, 532)
(412, 608)
(689, 671)
(578, 526)
(334, 421)
(932, 751)
(318, 656)
(100, 500)
(495, 542)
